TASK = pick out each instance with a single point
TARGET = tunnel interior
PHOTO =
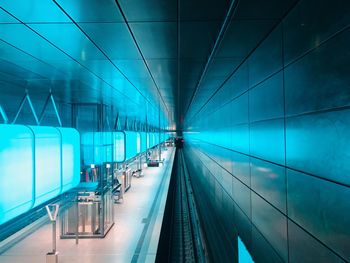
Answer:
(257, 94)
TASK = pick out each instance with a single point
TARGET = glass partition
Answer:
(119, 147)
(37, 164)
(70, 158)
(143, 136)
(47, 163)
(138, 142)
(97, 147)
(131, 144)
(17, 171)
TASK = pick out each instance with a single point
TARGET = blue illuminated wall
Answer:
(131, 144)
(269, 153)
(119, 146)
(153, 139)
(97, 147)
(37, 164)
(143, 141)
(100, 147)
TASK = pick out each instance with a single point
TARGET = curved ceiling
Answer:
(135, 55)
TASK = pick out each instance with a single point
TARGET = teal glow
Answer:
(97, 147)
(143, 141)
(131, 144)
(16, 162)
(164, 136)
(70, 158)
(119, 146)
(153, 139)
(138, 142)
(37, 164)
(243, 254)
(47, 163)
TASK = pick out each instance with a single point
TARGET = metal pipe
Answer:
(19, 108)
(77, 224)
(54, 236)
(32, 108)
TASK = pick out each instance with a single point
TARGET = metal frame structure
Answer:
(38, 120)
(3, 114)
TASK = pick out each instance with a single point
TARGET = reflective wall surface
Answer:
(268, 150)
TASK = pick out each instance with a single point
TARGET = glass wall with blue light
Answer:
(38, 164)
(119, 147)
(96, 147)
(143, 136)
(131, 142)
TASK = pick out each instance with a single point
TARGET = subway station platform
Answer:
(133, 238)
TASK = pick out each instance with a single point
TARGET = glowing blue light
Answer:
(153, 139)
(17, 171)
(131, 144)
(243, 254)
(70, 158)
(119, 146)
(47, 163)
(138, 142)
(97, 147)
(148, 140)
(143, 141)
(37, 164)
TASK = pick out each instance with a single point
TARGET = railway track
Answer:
(181, 239)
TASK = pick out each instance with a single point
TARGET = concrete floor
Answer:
(133, 238)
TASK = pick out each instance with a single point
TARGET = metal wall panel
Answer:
(305, 248)
(269, 181)
(311, 26)
(288, 105)
(266, 100)
(318, 81)
(319, 143)
(271, 223)
(263, 251)
(267, 140)
(267, 58)
(322, 208)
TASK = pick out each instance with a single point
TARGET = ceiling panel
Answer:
(8, 53)
(203, 9)
(35, 11)
(157, 40)
(113, 38)
(94, 55)
(256, 9)
(242, 36)
(34, 44)
(222, 67)
(91, 10)
(163, 67)
(132, 67)
(6, 17)
(71, 40)
(150, 10)
(17, 71)
(197, 38)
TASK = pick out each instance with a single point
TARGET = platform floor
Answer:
(133, 238)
